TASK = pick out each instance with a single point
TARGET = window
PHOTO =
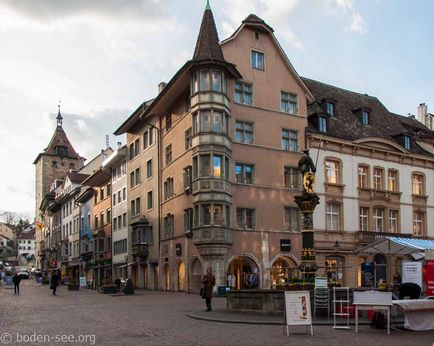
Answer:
(124, 193)
(168, 121)
(333, 216)
(258, 60)
(149, 169)
(393, 221)
(151, 136)
(109, 189)
(216, 80)
(169, 226)
(392, 180)
(407, 142)
(292, 219)
(365, 117)
(168, 188)
(115, 223)
(364, 219)
(120, 197)
(134, 149)
(188, 143)
(211, 165)
(418, 223)
(363, 176)
(108, 215)
(124, 220)
(114, 199)
(217, 166)
(168, 154)
(244, 173)
(188, 221)
(243, 93)
(291, 178)
(417, 184)
(334, 266)
(145, 140)
(378, 178)
(332, 171)
(322, 124)
(246, 218)
(204, 80)
(244, 132)
(330, 108)
(187, 179)
(289, 140)
(378, 219)
(135, 177)
(288, 103)
(101, 197)
(135, 207)
(150, 200)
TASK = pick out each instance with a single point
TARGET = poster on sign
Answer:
(83, 282)
(297, 310)
(412, 272)
(429, 277)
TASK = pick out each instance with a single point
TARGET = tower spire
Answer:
(59, 116)
(208, 7)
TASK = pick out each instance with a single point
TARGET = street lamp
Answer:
(336, 246)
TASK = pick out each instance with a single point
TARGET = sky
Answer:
(102, 58)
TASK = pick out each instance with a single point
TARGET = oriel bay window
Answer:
(211, 214)
(209, 80)
(211, 165)
(210, 121)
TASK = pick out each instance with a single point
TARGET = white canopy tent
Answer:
(399, 246)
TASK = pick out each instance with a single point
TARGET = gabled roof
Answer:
(256, 23)
(207, 44)
(75, 177)
(345, 124)
(59, 138)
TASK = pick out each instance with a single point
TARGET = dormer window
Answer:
(322, 124)
(365, 118)
(407, 142)
(330, 108)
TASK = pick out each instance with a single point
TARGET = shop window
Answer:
(283, 272)
(335, 269)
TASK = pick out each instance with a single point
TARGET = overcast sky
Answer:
(102, 58)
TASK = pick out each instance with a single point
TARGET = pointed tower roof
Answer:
(207, 45)
(59, 140)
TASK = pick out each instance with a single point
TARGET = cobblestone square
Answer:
(155, 318)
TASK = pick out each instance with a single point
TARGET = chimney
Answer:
(422, 111)
(161, 86)
(119, 145)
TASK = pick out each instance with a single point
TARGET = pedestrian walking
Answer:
(208, 282)
(16, 280)
(54, 282)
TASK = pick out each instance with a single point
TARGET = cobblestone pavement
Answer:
(156, 318)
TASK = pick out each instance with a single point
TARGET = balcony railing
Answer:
(366, 237)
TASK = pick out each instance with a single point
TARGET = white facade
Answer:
(26, 247)
(349, 179)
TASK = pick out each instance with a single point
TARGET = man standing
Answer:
(16, 280)
(54, 282)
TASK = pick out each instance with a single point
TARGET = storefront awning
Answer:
(398, 246)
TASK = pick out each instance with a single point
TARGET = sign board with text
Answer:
(412, 272)
(83, 282)
(429, 277)
(297, 309)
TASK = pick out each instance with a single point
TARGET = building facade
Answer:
(374, 180)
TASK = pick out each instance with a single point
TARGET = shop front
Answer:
(243, 273)
(284, 270)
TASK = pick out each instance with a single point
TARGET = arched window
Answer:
(335, 269)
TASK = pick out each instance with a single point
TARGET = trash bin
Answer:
(222, 291)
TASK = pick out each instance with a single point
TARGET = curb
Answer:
(264, 322)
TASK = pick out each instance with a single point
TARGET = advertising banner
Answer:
(412, 272)
(429, 277)
(297, 309)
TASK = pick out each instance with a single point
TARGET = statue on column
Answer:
(307, 169)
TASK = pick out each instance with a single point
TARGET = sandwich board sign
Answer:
(297, 310)
(412, 272)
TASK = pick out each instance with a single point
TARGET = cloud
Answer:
(47, 10)
(358, 24)
(275, 12)
(344, 4)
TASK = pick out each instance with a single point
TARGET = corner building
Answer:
(215, 185)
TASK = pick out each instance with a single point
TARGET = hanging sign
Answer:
(285, 245)
(412, 272)
(297, 310)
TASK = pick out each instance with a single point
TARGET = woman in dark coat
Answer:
(54, 282)
(208, 282)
